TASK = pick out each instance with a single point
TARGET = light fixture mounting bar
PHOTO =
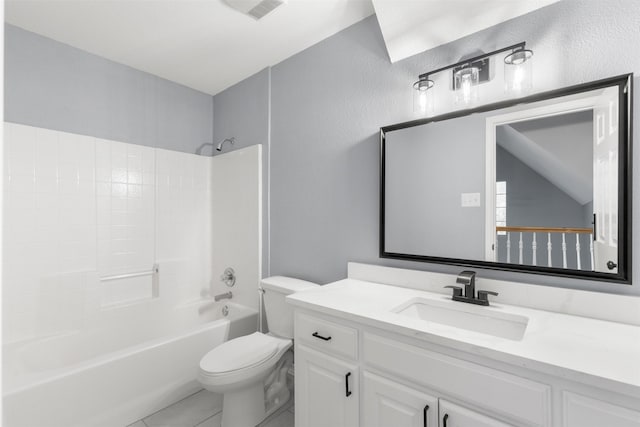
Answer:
(520, 45)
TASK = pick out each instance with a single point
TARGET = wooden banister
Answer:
(547, 230)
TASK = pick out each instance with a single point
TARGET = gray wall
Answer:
(533, 201)
(567, 137)
(55, 86)
(327, 105)
(242, 112)
(328, 102)
(425, 175)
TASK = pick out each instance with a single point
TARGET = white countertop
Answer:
(596, 352)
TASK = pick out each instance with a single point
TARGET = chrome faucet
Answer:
(226, 295)
(468, 279)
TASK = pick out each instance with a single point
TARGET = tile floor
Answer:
(204, 409)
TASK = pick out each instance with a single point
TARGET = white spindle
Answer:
(578, 250)
(564, 252)
(549, 249)
(520, 249)
(508, 246)
(593, 267)
(534, 248)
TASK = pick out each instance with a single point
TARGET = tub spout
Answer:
(226, 295)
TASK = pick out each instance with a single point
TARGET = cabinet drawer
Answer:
(581, 411)
(326, 336)
(512, 397)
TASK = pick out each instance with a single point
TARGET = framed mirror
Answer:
(540, 184)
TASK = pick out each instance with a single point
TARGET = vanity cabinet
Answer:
(330, 394)
(352, 374)
(498, 393)
(386, 403)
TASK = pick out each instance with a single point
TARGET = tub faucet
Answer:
(226, 295)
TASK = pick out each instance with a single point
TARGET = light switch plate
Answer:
(470, 200)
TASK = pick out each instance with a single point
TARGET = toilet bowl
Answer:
(251, 371)
(238, 369)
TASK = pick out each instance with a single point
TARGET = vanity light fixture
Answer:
(422, 98)
(468, 74)
(465, 85)
(518, 75)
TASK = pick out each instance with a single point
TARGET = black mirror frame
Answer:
(625, 124)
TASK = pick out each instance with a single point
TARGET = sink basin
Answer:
(465, 316)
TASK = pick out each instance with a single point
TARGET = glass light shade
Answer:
(518, 72)
(465, 85)
(423, 97)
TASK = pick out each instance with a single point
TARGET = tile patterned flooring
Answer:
(204, 409)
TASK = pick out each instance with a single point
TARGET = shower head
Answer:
(230, 140)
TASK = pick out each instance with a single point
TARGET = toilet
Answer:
(251, 371)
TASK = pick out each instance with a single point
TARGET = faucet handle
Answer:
(484, 295)
(466, 277)
(457, 290)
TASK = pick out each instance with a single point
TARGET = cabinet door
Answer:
(452, 415)
(581, 411)
(326, 390)
(389, 404)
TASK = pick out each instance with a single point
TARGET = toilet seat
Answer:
(240, 353)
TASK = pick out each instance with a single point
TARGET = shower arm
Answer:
(229, 140)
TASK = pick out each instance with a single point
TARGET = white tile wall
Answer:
(49, 228)
(77, 208)
(125, 207)
(184, 212)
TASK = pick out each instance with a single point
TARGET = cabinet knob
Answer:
(444, 420)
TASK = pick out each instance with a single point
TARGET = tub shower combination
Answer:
(116, 375)
(91, 335)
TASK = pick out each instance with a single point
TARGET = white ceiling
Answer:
(208, 46)
(413, 26)
(202, 44)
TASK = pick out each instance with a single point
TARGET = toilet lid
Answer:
(239, 353)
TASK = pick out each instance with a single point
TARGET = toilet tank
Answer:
(279, 313)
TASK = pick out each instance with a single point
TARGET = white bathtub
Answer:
(113, 376)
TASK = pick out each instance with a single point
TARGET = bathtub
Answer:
(113, 376)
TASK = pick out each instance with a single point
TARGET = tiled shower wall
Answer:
(78, 209)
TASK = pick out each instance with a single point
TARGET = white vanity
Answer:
(403, 354)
